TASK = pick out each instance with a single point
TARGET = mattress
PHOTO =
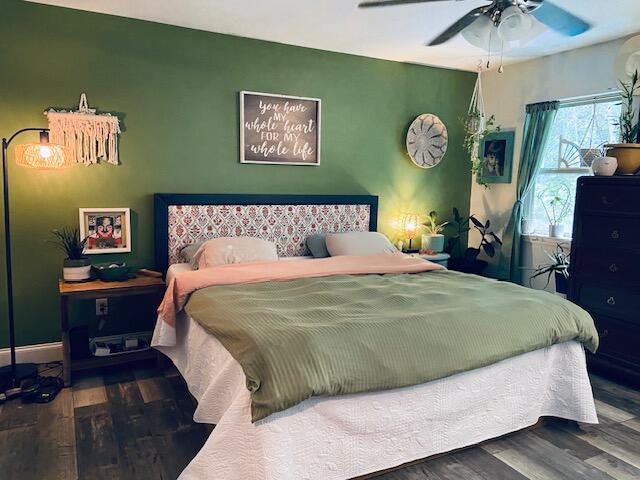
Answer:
(350, 435)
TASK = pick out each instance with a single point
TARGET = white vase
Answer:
(76, 270)
(433, 242)
(556, 231)
(604, 166)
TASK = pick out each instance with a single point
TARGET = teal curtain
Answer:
(537, 125)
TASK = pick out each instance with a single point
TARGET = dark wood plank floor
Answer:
(136, 423)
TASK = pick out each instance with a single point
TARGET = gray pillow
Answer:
(317, 244)
(358, 244)
(188, 254)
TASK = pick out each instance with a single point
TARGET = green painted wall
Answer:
(176, 91)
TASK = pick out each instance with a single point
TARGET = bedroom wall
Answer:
(176, 91)
(584, 71)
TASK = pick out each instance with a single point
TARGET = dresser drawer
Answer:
(617, 301)
(610, 198)
(606, 265)
(609, 232)
(618, 340)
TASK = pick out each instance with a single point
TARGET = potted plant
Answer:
(556, 201)
(627, 152)
(433, 239)
(558, 266)
(76, 265)
(489, 243)
(476, 127)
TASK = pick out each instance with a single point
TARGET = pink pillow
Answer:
(226, 250)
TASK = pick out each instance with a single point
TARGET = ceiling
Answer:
(393, 33)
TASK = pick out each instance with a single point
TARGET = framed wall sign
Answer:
(107, 230)
(496, 153)
(279, 129)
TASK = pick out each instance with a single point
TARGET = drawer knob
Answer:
(611, 301)
(613, 268)
(604, 333)
(606, 202)
(615, 234)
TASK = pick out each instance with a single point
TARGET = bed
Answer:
(344, 436)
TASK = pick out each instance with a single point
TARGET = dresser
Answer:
(605, 269)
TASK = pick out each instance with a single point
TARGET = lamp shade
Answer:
(482, 33)
(514, 24)
(43, 156)
(410, 225)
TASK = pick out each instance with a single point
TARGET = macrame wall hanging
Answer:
(90, 136)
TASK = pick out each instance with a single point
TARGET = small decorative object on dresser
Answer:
(427, 140)
(107, 230)
(433, 239)
(604, 166)
(605, 261)
(76, 265)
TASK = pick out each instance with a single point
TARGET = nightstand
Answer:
(439, 258)
(142, 285)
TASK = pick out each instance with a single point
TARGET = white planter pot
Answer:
(76, 270)
(556, 231)
(604, 166)
(433, 242)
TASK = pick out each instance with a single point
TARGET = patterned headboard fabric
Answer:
(285, 220)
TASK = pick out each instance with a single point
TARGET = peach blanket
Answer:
(185, 284)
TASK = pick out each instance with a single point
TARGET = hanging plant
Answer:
(476, 126)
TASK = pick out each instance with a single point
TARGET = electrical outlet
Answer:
(102, 306)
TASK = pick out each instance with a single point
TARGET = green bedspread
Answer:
(347, 334)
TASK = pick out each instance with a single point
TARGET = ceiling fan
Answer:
(510, 19)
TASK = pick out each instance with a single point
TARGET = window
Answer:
(579, 130)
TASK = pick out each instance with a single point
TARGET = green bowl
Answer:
(112, 272)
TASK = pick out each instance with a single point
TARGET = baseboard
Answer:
(40, 353)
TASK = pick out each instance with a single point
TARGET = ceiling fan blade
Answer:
(457, 27)
(390, 3)
(560, 20)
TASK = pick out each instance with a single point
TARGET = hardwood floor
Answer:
(137, 423)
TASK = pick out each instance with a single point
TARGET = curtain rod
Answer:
(590, 99)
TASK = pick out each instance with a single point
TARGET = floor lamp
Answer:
(41, 156)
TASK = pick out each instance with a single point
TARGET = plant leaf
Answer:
(476, 222)
(489, 249)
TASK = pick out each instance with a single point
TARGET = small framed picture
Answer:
(107, 230)
(496, 153)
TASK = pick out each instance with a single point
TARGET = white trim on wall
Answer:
(39, 353)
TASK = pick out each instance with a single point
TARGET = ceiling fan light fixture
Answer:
(480, 32)
(514, 24)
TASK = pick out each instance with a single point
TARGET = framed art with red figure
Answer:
(107, 230)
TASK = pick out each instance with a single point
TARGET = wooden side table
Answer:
(98, 289)
(441, 258)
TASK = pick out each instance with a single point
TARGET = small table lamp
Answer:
(43, 156)
(410, 224)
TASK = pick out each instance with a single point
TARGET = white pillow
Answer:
(226, 250)
(358, 244)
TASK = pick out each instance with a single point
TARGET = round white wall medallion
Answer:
(427, 140)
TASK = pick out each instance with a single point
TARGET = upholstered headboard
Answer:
(286, 220)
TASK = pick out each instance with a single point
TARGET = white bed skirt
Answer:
(336, 438)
